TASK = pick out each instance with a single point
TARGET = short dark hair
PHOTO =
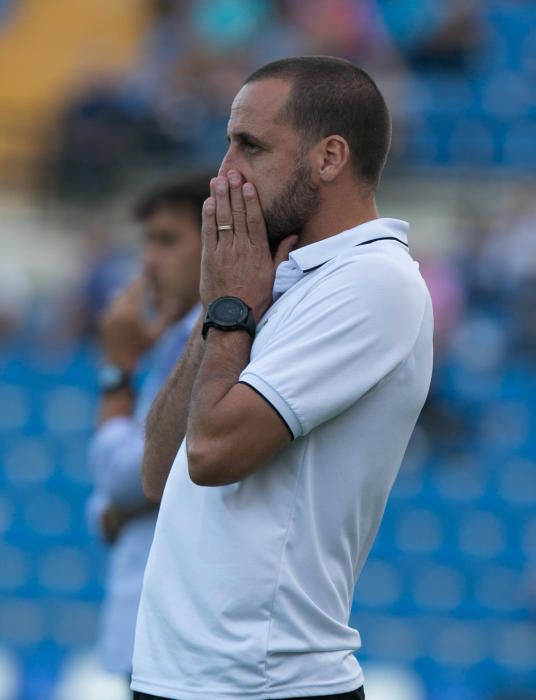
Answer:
(191, 192)
(332, 96)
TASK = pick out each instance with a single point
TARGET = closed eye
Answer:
(246, 143)
(250, 147)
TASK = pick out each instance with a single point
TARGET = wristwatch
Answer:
(113, 378)
(229, 314)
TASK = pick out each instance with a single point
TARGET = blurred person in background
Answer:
(136, 341)
(433, 34)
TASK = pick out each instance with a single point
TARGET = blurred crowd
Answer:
(173, 104)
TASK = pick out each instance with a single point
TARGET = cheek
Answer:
(183, 268)
(270, 190)
(267, 182)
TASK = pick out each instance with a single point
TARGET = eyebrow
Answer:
(245, 137)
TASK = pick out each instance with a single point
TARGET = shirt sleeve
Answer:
(350, 331)
(115, 457)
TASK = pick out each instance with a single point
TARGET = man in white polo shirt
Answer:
(281, 430)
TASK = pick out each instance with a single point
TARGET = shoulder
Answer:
(385, 270)
(387, 282)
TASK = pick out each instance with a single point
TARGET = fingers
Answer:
(132, 293)
(128, 301)
(238, 207)
(209, 234)
(224, 216)
(254, 216)
(136, 287)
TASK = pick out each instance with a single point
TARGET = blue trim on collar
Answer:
(316, 254)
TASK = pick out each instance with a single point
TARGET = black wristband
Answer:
(113, 378)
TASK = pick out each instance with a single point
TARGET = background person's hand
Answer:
(111, 523)
(114, 519)
(125, 333)
(238, 262)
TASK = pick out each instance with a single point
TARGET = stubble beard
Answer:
(294, 207)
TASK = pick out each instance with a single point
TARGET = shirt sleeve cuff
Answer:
(113, 431)
(278, 403)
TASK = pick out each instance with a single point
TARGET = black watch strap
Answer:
(112, 378)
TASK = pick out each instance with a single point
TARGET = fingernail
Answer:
(234, 177)
(209, 206)
(221, 185)
(249, 189)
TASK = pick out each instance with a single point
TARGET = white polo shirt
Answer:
(248, 587)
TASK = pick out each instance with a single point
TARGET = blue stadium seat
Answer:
(472, 142)
(28, 461)
(391, 638)
(64, 570)
(438, 588)
(481, 534)
(520, 143)
(14, 407)
(380, 585)
(512, 646)
(461, 482)
(68, 409)
(458, 644)
(22, 622)
(498, 591)
(15, 568)
(419, 531)
(516, 483)
(47, 514)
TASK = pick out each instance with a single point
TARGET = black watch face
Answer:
(228, 311)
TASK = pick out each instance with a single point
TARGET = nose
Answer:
(225, 164)
(230, 162)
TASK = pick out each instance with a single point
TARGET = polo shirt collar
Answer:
(316, 254)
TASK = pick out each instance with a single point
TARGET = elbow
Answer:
(205, 464)
(152, 491)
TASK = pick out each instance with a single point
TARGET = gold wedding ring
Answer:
(225, 227)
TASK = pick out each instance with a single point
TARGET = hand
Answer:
(111, 523)
(125, 333)
(238, 262)
(114, 519)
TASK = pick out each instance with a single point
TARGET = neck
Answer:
(337, 216)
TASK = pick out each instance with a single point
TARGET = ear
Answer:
(332, 156)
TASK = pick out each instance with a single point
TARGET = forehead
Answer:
(257, 106)
(171, 216)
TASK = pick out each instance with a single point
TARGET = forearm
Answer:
(115, 456)
(209, 420)
(167, 419)
(116, 403)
